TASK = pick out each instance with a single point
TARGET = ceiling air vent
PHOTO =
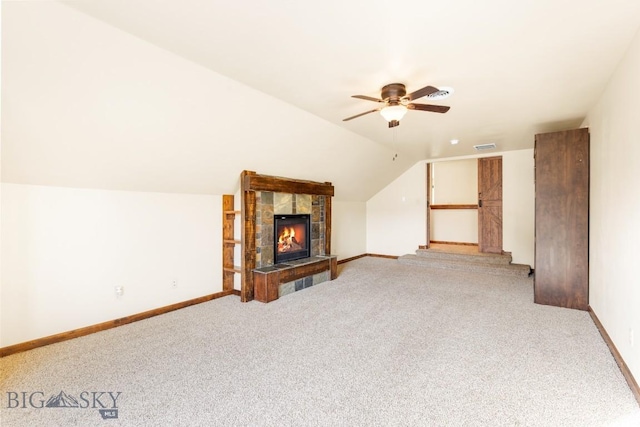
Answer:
(483, 147)
(442, 93)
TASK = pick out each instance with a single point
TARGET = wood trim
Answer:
(232, 241)
(383, 256)
(454, 206)
(76, 333)
(228, 241)
(254, 182)
(298, 272)
(353, 258)
(442, 242)
(626, 373)
(248, 237)
(327, 224)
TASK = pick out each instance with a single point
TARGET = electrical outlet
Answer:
(174, 283)
(119, 291)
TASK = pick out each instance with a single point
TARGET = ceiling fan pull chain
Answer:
(395, 146)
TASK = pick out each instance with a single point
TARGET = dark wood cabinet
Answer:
(562, 219)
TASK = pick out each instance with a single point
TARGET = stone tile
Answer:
(315, 214)
(267, 255)
(266, 197)
(299, 284)
(283, 203)
(267, 236)
(315, 200)
(307, 282)
(315, 231)
(315, 247)
(321, 277)
(267, 215)
(286, 288)
(303, 203)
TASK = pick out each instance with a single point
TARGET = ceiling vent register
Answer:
(483, 147)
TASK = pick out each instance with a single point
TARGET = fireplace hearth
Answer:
(292, 237)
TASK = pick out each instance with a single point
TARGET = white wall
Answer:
(455, 182)
(518, 205)
(397, 227)
(348, 228)
(64, 250)
(396, 221)
(614, 225)
(454, 225)
(1, 310)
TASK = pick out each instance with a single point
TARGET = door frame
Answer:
(429, 201)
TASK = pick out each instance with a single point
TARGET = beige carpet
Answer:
(385, 344)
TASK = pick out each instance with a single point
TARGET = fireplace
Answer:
(292, 237)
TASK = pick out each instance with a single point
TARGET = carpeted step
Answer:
(520, 270)
(482, 258)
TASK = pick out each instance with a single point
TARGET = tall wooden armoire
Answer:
(562, 219)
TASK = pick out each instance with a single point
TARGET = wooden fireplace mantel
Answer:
(254, 182)
(250, 182)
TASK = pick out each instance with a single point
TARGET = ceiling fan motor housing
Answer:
(392, 93)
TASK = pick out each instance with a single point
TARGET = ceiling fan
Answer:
(397, 102)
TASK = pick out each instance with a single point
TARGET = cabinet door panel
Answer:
(561, 225)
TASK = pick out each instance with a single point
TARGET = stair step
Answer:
(521, 270)
(481, 258)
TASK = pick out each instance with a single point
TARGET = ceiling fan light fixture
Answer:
(393, 112)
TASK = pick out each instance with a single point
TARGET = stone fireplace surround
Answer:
(263, 197)
(269, 204)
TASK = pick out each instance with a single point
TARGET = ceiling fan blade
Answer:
(361, 114)
(427, 90)
(367, 98)
(427, 107)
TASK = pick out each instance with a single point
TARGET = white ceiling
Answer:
(137, 98)
(517, 67)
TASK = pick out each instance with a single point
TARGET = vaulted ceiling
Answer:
(517, 68)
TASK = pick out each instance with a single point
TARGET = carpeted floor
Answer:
(385, 344)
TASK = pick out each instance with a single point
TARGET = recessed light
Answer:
(454, 141)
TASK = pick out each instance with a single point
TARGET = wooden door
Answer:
(490, 204)
(562, 219)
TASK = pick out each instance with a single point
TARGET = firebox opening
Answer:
(291, 237)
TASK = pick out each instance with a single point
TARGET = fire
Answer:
(287, 240)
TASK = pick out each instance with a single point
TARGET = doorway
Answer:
(464, 203)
